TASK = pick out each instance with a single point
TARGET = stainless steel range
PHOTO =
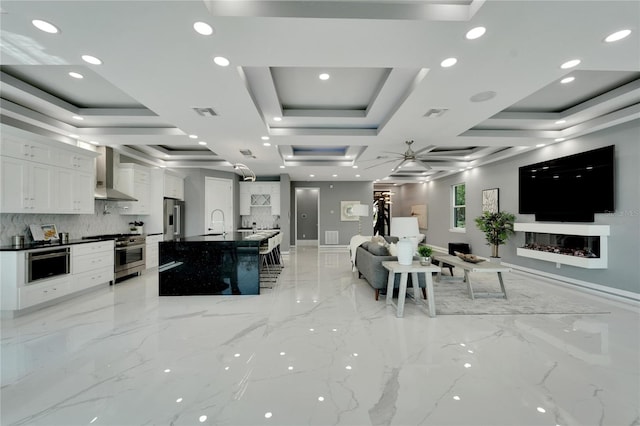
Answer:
(129, 253)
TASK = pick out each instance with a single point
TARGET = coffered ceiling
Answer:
(269, 109)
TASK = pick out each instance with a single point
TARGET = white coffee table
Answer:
(404, 270)
(468, 267)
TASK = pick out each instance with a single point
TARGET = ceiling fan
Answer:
(409, 156)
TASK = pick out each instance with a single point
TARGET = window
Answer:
(458, 210)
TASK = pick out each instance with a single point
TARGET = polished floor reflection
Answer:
(317, 349)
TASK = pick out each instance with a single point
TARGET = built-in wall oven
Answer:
(48, 263)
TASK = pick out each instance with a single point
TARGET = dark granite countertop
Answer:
(34, 245)
(231, 237)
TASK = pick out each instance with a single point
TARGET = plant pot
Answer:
(425, 261)
(496, 260)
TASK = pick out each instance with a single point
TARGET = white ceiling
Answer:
(384, 61)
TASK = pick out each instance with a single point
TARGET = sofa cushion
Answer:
(365, 245)
(378, 250)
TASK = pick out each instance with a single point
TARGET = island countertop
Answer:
(241, 238)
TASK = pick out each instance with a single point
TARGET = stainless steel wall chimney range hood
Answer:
(104, 177)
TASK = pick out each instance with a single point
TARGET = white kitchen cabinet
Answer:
(152, 252)
(133, 180)
(26, 150)
(26, 186)
(91, 264)
(73, 191)
(245, 198)
(52, 177)
(173, 186)
(275, 198)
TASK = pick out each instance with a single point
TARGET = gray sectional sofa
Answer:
(369, 258)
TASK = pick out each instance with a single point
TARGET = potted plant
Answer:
(425, 255)
(497, 228)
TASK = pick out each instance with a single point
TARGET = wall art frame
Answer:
(491, 200)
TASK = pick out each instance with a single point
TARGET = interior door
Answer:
(218, 200)
(307, 215)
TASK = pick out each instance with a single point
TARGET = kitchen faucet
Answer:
(224, 229)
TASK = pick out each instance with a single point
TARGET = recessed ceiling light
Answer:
(570, 64)
(193, 136)
(94, 142)
(475, 33)
(73, 135)
(91, 60)
(76, 75)
(45, 26)
(265, 138)
(77, 117)
(277, 118)
(334, 175)
(618, 35)
(221, 61)
(449, 62)
(167, 156)
(567, 80)
(559, 139)
(561, 121)
(202, 143)
(312, 176)
(354, 167)
(540, 145)
(324, 76)
(282, 167)
(266, 144)
(203, 28)
(357, 175)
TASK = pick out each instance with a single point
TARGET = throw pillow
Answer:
(393, 249)
(378, 250)
(391, 239)
(378, 240)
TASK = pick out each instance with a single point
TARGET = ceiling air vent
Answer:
(205, 112)
(436, 112)
(247, 153)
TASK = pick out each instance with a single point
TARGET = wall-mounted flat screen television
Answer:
(569, 189)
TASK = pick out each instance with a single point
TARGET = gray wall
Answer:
(331, 193)
(194, 197)
(285, 211)
(623, 271)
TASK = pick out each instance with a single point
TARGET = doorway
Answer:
(307, 222)
(218, 196)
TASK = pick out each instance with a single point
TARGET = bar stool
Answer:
(265, 253)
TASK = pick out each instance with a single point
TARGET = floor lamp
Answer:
(405, 228)
(360, 210)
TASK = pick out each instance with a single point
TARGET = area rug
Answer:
(525, 296)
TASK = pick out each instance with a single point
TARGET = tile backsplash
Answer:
(77, 225)
(262, 217)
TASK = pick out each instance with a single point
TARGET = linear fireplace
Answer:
(584, 246)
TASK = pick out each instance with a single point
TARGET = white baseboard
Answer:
(307, 242)
(625, 296)
(334, 247)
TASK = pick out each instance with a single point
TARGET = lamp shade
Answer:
(360, 210)
(405, 228)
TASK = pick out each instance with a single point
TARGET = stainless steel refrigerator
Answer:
(173, 219)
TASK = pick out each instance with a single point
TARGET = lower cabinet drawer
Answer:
(90, 262)
(92, 278)
(33, 294)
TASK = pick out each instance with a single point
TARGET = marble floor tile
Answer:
(317, 349)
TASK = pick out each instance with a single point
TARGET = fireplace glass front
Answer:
(570, 245)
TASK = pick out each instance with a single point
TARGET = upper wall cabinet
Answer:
(51, 177)
(173, 186)
(133, 180)
(259, 194)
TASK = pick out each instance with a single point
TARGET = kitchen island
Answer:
(211, 264)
